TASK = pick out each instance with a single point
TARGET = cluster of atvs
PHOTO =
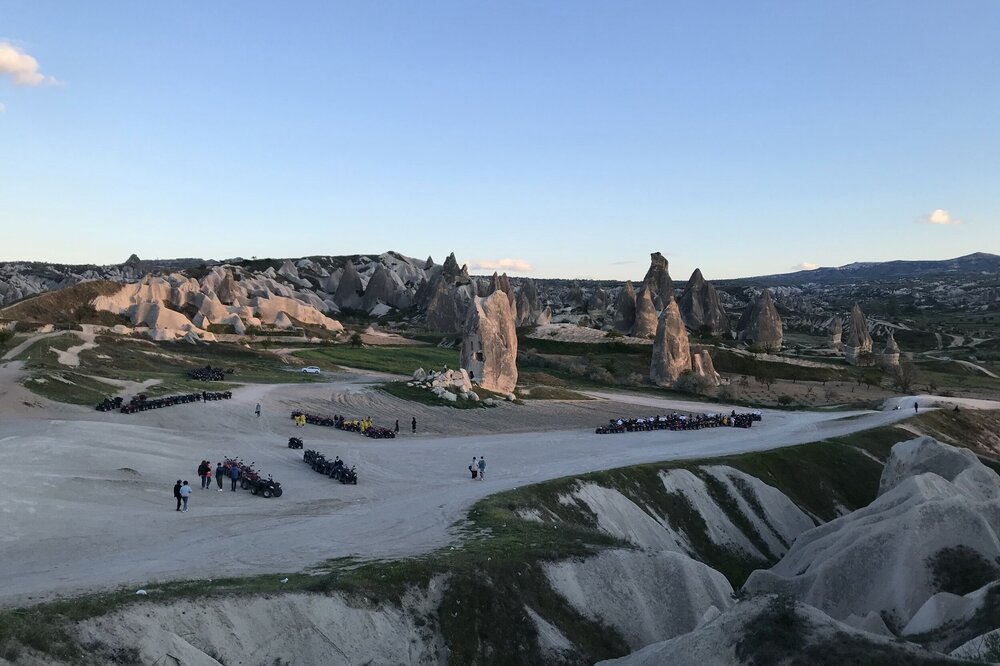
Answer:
(335, 469)
(363, 426)
(252, 480)
(679, 422)
(141, 403)
(208, 374)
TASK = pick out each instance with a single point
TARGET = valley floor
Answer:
(87, 501)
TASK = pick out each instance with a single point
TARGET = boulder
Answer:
(489, 343)
(645, 315)
(671, 351)
(658, 278)
(701, 307)
(760, 324)
(625, 308)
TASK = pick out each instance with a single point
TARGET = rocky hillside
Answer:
(881, 546)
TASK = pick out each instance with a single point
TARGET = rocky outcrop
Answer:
(760, 324)
(836, 330)
(489, 343)
(645, 315)
(890, 355)
(858, 348)
(447, 307)
(931, 497)
(598, 302)
(384, 287)
(625, 308)
(671, 351)
(658, 279)
(350, 291)
(702, 366)
(701, 307)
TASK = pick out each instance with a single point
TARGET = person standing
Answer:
(202, 470)
(482, 468)
(916, 407)
(234, 476)
(185, 493)
(177, 493)
(220, 473)
(397, 426)
(473, 468)
(257, 410)
(413, 425)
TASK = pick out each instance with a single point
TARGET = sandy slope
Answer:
(87, 501)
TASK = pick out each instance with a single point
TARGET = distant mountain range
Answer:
(975, 264)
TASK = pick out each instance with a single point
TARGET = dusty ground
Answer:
(87, 502)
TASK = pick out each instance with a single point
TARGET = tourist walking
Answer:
(220, 474)
(916, 407)
(185, 493)
(234, 476)
(482, 468)
(413, 425)
(208, 476)
(473, 468)
(177, 493)
(202, 471)
(397, 426)
(257, 410)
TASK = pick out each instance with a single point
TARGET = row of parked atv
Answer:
(335, 469)
(251, 479)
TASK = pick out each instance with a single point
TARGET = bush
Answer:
(785, 400)
(960, 570)
(689, 382)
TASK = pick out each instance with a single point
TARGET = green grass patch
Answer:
(395, 360)
(69, 387)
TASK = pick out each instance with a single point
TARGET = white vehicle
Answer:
(311, 369)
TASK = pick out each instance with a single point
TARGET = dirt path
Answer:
(87, 502)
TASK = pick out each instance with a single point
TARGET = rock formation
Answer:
(350, 290)
(671, 351)
(858, 348)
(702, 366)
(625, 308)
(658, 278)
(383, 287)
(489, 343)
(836, 331)
(760, 324)
(890, 355)
(645, 315)
(598, 302)
(701, 308)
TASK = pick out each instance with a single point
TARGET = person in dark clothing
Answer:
(220, 472)
(203, 473)
(413, 424)
(177, 493)
(234, 476)
(916, 407)
(397, 426)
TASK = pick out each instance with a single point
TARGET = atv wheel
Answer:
(253, 490)
(277, 492)
(243, 485)
(266, 493)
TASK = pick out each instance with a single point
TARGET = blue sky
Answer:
(571, 138)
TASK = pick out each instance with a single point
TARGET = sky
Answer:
(554, 139)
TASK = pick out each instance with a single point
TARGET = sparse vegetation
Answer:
(960, 570)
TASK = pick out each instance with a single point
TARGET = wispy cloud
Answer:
(506, 264)
(21, 67)
(804, 266)
(940, 217)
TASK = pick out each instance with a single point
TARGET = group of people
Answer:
(680, 422)
(182, 490)
(478, 468)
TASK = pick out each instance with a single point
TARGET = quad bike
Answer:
(294, 443)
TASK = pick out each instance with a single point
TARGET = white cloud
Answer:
(941, 217)
(804, 266)
(506, 264)
(21, 67)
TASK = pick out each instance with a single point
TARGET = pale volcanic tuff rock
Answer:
(489, 343)
(760, 324)
(836, 332)
(931, 496)
(701, 308)
(703, 366)
(350, 291)
(658, 278)
(859, 340)
(671, 350)
(890, 355)
(598, 302)
(385, 287)
(625, 308)
(645, 315)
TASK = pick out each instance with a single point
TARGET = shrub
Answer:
(960, 570)
(785, 400)
(689, 382)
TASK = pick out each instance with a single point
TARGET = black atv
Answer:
(265, 488)
(294, 443)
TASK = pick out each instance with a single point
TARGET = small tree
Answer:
(356, 340)
(6, 335)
